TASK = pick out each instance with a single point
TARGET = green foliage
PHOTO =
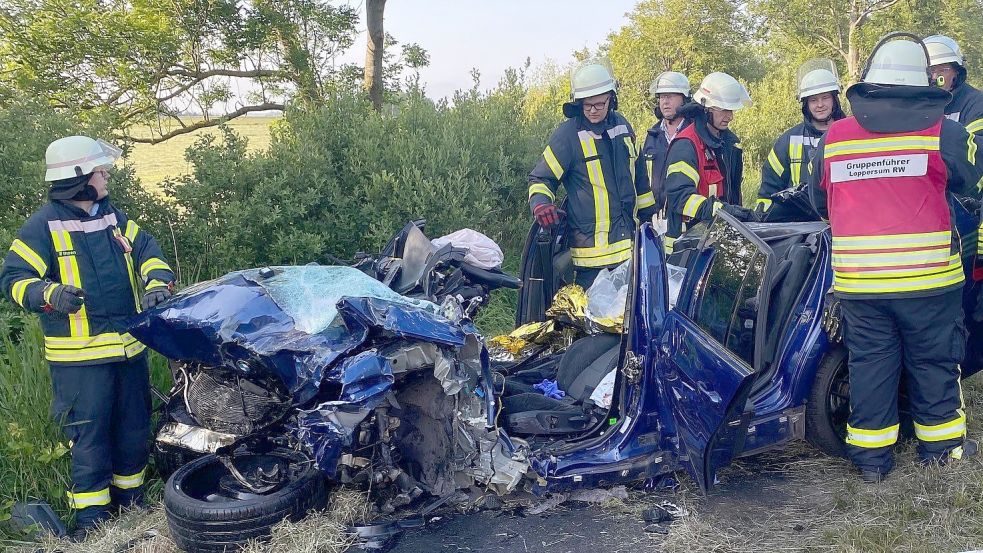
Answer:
(344, 178)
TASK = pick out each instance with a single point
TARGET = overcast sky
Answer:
(493, 35)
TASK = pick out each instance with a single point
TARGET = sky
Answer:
(493, 35)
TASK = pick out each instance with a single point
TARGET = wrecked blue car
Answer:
(291, 380)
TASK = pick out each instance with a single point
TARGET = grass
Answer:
(156, 162)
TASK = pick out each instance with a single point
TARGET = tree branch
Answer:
(202, 75)
(209, 123)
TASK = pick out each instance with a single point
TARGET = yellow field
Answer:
(154, 163)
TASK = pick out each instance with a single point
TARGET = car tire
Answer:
(202, 521)
(828, 405)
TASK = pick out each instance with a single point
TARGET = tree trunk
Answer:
(374, 48)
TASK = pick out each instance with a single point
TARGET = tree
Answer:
(694, 38)
(151, 63)
(374, 51)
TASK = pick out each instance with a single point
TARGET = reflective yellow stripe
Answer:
(132, 346)
(68, 269)
(19, 289)
(795, 161)
(975, 126)
(156, 284)
(153, 264)
(632, 156)
(692, 205)
(645, 200)
(103, 346)
(553, 163)
(950, 277)
(765, 202)
(30, 256)
(889, 144)
(540, 188)
(602, 218)
(776, 165)
(939, 238)
(897, 271)
(979, 239)
(81, 500)
(669, 242)
(872, 438)
(951, 430)
(600, 256)
(916, 257)
(132, 229)
(129, 482)
(971, 148)
(686, 169)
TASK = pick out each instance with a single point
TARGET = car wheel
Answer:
(828, 406)
(209, 510)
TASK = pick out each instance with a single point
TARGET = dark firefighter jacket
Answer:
(966, 107)
(654, 152)
(788, 162)
(605, 182)
(684, 172)
(107, 256)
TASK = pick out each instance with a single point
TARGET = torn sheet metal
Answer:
(194, 438)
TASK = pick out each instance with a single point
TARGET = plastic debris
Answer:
(482, 251)
(601, 396)
(606, 300)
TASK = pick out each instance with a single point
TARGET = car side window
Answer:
(728, 307)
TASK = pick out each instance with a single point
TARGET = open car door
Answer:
(711, 343)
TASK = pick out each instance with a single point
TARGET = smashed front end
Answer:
(377, 389)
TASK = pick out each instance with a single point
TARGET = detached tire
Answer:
(828, 406)
(208, 511)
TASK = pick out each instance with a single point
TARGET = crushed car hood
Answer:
(292, 321)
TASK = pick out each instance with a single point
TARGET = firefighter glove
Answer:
(63, 298)
(154, 297)
(740, 213)
(547, 215)
(832, 318)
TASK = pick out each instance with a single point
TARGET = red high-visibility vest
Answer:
(711, 177)
(890, 221)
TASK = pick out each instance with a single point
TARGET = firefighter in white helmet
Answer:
(948, 69)
(787, 165)
(593, 155)
(87, 269)
(670, 91)
(705, 164)
(883, 177)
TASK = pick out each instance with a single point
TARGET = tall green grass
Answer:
(35, 460)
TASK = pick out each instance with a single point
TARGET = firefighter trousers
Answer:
(925, 337)
(104, 411)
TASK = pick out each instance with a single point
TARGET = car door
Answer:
(709, 344)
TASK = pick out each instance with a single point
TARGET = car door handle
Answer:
(702, 387)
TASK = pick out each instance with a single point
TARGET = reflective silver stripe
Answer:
(882, 145)
(615, 132)
(84, 226)
(71, 162)
(805, 91)
(806, 140)
(897, 67)
(938, 238)
(900, 285)
(592, 86)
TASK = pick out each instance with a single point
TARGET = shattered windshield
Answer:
(310, 294)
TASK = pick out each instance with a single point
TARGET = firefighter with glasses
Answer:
(87, 269)
(883, 177)
(593, 155)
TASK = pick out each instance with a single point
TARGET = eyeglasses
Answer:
(596, 106)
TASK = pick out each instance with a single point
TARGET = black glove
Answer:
(740, 213)
(154, 297)
(63, 298)
(832, 318)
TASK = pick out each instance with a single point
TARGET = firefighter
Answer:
(671, 91)
(788, 162)
(966, 107)
(705, 164)
(897, 273)
(86, 268)
(594, 156)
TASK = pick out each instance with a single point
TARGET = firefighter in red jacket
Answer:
(883, 176)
